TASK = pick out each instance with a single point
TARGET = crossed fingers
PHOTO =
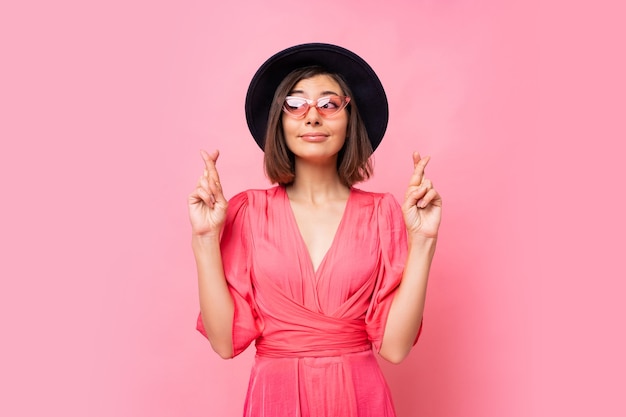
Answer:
(209, 188)
(420, 191)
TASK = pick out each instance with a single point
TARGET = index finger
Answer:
(419, 168)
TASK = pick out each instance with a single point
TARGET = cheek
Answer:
(287, 125)
(343, 127)
(288, 132)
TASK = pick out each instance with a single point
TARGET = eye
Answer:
(295, 102)
(330, 102)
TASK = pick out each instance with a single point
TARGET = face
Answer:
(316, 138)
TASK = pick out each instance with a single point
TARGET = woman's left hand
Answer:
(422, 203)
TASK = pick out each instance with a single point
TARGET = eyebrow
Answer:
(324, 93)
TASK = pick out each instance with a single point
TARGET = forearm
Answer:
(405, 314)
(216, 303)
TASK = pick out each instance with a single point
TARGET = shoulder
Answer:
(379, 200)
(255, 197)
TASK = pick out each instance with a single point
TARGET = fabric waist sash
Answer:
(328, 338)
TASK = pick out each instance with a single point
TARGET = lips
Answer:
(314, 137)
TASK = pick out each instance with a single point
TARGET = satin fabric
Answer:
(314, 330)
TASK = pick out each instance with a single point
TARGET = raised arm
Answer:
(422, 216)
(207, 213)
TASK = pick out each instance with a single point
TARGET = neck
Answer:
(314, 182)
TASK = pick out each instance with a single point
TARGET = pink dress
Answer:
(314, 330)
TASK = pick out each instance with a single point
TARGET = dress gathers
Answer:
(314, 330)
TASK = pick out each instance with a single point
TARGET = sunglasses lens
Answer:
(296, 106)
(329, 105)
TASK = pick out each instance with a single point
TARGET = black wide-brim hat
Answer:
(367, 90)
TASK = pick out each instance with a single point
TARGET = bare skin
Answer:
(318, 200)
(317, 196)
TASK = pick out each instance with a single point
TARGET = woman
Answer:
(318, 273)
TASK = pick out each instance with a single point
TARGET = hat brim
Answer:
(367, 90)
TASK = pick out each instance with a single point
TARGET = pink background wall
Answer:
(104, 106)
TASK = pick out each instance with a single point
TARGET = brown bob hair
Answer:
(353, 162)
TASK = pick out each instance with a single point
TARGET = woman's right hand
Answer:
(207, 205)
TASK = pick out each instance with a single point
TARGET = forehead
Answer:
(318, 84)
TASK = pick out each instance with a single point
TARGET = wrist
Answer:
(418, 239)
(208, 239)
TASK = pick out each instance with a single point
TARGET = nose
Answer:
(312, 116)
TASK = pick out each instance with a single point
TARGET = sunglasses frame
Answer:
(320, 109)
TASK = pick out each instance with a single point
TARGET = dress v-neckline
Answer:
(296, 227)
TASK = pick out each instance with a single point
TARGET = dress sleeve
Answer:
(236, 259)
(393, 253)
